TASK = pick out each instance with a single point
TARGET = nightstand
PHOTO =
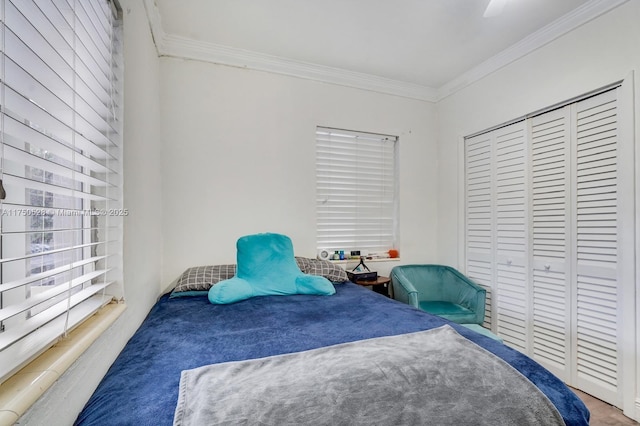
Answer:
(380, 285)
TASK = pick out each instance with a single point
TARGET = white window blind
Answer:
(60, 223)
(356, 191)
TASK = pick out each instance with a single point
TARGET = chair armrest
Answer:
(481, 300)
(467, 281)
(403, 290)
(470, 295)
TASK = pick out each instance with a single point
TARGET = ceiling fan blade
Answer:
(494, 8)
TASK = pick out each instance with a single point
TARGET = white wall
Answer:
(239, 158)
(142, 228)
(598, 53)
(594, 55)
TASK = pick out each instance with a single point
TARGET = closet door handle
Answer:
(547, 267)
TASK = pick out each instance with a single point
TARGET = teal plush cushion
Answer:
(266, 266)
(480, 329)
(448, 310)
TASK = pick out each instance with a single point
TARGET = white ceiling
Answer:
(420, 49)
(425, 42)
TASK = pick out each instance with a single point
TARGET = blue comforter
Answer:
(141, 387)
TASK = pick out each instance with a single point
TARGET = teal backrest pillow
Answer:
(266, 266)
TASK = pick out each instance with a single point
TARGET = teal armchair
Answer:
(439, 290)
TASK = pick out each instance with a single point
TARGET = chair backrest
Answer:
(439, 283)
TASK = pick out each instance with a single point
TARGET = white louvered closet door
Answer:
(511, 228)
(550, 225)
(596, 247)
(544, 231)
(479, 214)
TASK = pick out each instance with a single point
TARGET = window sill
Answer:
(24, 388)
(357, 259)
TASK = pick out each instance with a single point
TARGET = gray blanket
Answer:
(434, 377)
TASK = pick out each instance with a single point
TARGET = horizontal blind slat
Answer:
(51, 272)
(33, 301)
(12, 336)
(18, 183)
(24, 137)
(61, 250)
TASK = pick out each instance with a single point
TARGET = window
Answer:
(61, 219)
(356, 191)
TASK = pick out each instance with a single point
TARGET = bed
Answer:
(182, 334)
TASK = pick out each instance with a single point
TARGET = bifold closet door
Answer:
(596, 326)
(510, 288)
(550, 244)
(574, 247)
(479, 215)
(574, 164)
(496, 218)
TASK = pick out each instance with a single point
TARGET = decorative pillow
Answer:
(266, 266)
(323, 268)
(199, 279)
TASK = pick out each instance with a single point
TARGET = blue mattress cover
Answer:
(141, 387)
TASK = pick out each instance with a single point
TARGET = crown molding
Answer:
(169, 45)
(561, 26)
(180, 47)
(155, 23)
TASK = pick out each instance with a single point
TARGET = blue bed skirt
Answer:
(141, 387)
